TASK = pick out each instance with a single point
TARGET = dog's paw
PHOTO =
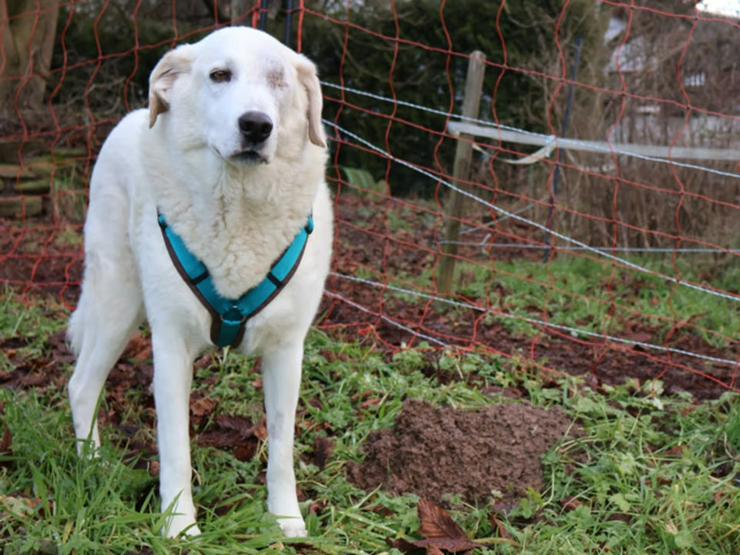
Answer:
(293, 527)
(181, 525)
(88, 449)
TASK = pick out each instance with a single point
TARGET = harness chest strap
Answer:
(229, 316)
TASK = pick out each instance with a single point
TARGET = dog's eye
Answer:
(220, 76)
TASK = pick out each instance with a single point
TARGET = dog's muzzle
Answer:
(255, 127)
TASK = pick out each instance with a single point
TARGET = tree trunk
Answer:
(28, 30)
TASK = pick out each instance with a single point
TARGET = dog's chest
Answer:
(239, 249)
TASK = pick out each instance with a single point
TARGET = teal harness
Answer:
(229, 316)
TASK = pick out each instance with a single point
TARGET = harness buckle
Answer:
(233, 316)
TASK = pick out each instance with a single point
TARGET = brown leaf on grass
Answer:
(203, 362)
(143, 355)
(403, 545)
(246, 451)
(372, 402)
(143, 450)
(219, 439)
(323, 448)
(6, 442)
(436, 522)
(571, 503)
(139, 348)
(500, 527)
(202, 407)
(34, 379)
(318, 507)
(154, 469)
(316, 403)
(440, 530)
(676, 452)
(233, 432)
(61, 353)
(236, 423)
(260, 430)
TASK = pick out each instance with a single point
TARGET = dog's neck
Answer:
(239, 219)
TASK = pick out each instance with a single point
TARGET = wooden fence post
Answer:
(461, 172)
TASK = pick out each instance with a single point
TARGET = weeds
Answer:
(650, 474)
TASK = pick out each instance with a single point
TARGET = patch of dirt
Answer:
(602, 363)
(432, 451)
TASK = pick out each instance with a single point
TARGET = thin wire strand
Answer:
(387, 320)
(527, 221)
(543, 136)
(686, 250)
(535, 321)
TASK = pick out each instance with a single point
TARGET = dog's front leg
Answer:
(173, 375)
(282, 382)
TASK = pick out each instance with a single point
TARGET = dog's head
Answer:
(241, 94)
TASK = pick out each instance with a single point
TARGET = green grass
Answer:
(587, 294)
(650, 474)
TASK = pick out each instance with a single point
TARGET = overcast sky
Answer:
(724, 7)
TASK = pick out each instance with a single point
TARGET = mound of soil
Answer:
(432, 451)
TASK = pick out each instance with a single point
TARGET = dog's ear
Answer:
(308, 77)
(163, 77)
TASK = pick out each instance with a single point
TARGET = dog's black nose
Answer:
(255, 126)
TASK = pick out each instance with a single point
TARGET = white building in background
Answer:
(646, 64)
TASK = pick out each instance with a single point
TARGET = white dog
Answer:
(231, 154)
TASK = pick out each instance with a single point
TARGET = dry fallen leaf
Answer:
(500, 527)
(219, 439)
(436, 522)
(246, 451)
(441, 533)
(260, 430)
(238, 424)
(154, 469)
(203, 362)
(202, 407)
(139, 348)
(323, 448)
(6, 442)
(372, 402)
(571, 503)
(676, 452)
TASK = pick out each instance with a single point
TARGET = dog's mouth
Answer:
(249, 157)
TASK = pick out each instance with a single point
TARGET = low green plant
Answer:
(649, 473)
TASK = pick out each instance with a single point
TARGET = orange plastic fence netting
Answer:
(599, 216)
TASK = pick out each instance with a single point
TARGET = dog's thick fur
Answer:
(237, 211)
